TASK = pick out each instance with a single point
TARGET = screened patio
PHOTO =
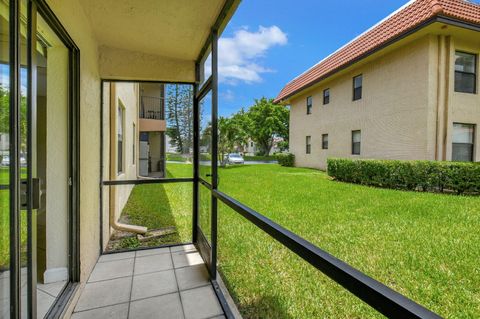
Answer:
(141, 42)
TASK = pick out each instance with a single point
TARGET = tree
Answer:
(225, 137)
(4, 110)
(179, 109)
(266, 121)
(241, 123)
(5, 116)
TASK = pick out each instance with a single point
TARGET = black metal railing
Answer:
(152, 108)
(380, 297)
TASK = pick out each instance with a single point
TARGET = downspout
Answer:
(446, 117)
(440, 68)
(113, 174)
(443, 87)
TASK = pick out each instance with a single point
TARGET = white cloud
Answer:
(227, 95)
(239, 55)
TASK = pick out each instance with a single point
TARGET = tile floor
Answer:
(46, 294)
(157, 283)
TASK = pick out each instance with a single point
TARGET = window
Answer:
(462, 142)
(465, 72)
(120, 121)
(325, 141)
(308, 148)
(356, 141)
(357, 87)
(133, 143)
(326, 96)
(309, 105)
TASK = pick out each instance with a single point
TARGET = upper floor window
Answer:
(134, 139)
(356, 141)
(309, 105)
(308, 145)
(325, 141)
(465, 72)
(357, 87)
(120, 135)
(326, 96)
(462, 142)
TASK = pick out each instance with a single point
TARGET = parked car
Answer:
(234, 158)
(5, 160)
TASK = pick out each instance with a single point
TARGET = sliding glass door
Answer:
(4, 162)
(36, 152)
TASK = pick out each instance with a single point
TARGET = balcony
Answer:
(152, 108)
(152, 114)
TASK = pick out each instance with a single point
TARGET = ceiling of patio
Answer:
(169, 28)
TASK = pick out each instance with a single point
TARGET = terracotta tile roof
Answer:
(405, 19)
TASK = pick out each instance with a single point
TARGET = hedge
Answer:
(260, 158)
(285, 159)
(431, 176)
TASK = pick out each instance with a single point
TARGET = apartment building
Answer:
(405, 89)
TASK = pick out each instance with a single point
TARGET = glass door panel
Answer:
(205, 166)
(204, 208)
(49, 164)
(27, 284)
(35, 268)
(205, 156)
(4, 164)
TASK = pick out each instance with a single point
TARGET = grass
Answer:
(426, 246)
(161, 205)
(176, 157)
(5, 223)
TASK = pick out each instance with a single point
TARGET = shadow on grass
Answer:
(264, 306)
(230, 167)
(149, 206)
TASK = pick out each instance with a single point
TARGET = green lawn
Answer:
(426, 246)
(157, 206)
(176, 157)
(4, 229)
(5, 222)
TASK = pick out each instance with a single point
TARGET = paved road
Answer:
(208, 163)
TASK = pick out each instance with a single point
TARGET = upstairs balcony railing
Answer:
(152, 108)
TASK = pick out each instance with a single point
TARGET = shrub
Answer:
(259, 158)
(285, 159)
(431, 176)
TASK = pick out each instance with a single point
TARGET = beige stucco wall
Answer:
(71, 15)
(391, 115)
(123, 64)
(148, 125)
(407, 109)
(125, 95)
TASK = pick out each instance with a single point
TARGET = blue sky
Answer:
(267, 43)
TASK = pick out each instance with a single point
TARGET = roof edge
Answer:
(440, 17)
